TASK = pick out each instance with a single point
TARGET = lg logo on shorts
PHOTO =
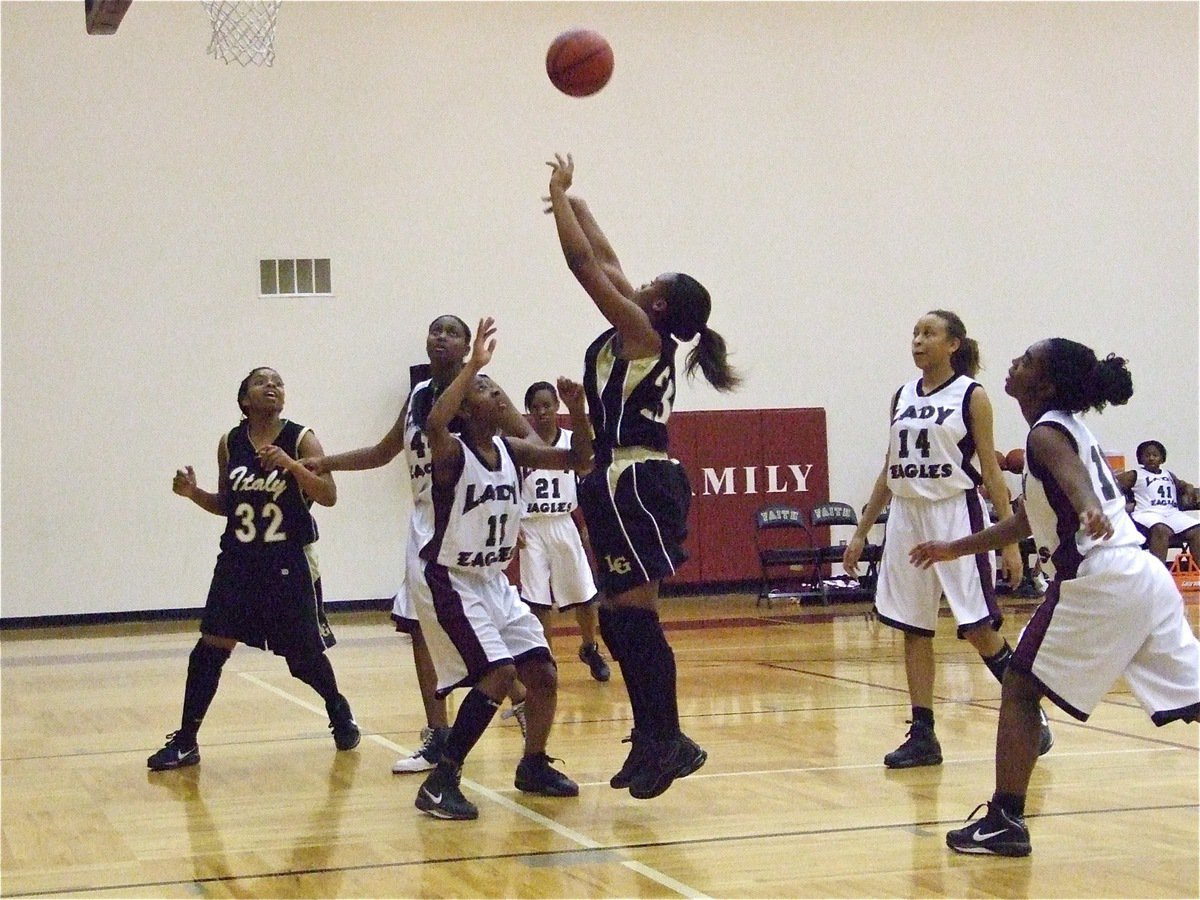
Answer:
(618, 566)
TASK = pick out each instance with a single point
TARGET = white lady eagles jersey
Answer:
(1154, 491)
(550, 492)
(474, 522)
(1061, 542)
(931, 453)
(417, 454)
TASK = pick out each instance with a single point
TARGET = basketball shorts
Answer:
(1121, 615)
(270, 602)
(908, 598)
(1175, 519)
(636, 511)
(404, 611)
(554, 567)
(474, 623)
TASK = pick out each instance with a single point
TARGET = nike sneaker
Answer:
(998, 833)
(180, 751)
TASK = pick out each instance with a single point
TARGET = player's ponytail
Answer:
(711, 355)
(688, 308)
(1083, 382)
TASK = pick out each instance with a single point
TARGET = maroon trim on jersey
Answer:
(1066, 557)
(1190, 713)
(983, 565)
(442, 498)
(901, 626)
(967, 447)
(1031, 641)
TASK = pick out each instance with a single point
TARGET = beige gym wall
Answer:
(830, 171)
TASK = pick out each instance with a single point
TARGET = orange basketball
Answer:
(1000, 461)
(579, 62)
(1016, 460)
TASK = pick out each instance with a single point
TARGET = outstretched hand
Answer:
(184, 482)
(484, 344)
(571, 392)
(561, 173)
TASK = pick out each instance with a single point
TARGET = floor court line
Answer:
(499, 799)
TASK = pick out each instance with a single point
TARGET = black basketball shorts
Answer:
(636, 511)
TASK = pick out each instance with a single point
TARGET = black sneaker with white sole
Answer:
(441, 797)
(341, 722)
(997, 834)
(179, 752)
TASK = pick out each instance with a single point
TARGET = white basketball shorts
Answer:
(554, 568)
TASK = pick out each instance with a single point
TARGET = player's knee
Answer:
(299, 666)
(539, 675)
(1019, 688)
(499, 681)
(208, 655)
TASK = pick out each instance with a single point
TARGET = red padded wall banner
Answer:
(737, 461)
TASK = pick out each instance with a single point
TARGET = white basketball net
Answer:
(243, 31)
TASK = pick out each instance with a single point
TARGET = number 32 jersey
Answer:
(474, 522)
(264, 510)
(931, 454)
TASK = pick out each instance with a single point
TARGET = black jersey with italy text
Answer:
(629, 400)
(264, 509)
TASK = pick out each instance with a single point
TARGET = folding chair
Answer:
(785, 547)
(846, 589)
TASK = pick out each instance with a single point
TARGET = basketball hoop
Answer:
(243, 31)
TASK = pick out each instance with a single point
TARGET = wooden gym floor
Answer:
(795, 705)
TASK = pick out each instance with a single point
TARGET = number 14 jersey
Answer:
(931, 454)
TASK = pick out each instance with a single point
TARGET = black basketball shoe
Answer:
(180, 751)
(441, 797)
(341, 722)
(998, 833)
(921, 749)
(664, 762)
(535, 775)
(590, 654)
(637, 751)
